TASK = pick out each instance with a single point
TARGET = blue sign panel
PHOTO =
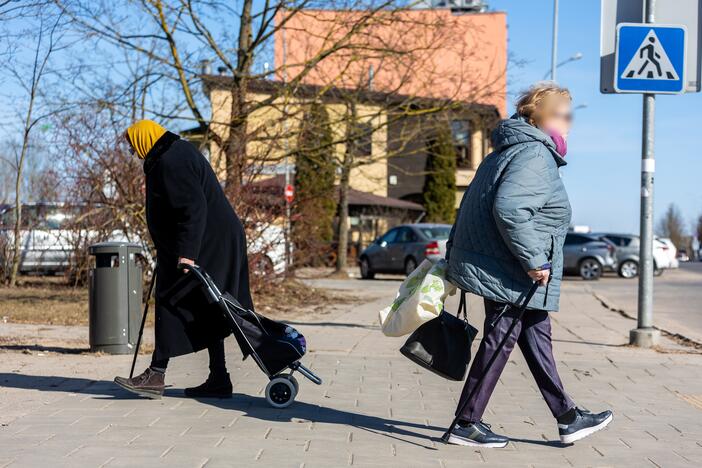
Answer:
(650, 58)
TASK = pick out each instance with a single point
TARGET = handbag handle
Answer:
(463, 307)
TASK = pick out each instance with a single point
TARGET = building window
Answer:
(362, 139)
(460, 129)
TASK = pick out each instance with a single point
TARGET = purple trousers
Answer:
(533, 335)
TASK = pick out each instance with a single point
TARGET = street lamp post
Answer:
(554, 44)
(573, 58)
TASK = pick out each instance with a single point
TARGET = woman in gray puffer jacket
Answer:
(510, 232)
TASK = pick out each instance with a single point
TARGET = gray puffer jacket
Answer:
(513, 217)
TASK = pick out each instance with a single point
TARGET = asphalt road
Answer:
(677, 298)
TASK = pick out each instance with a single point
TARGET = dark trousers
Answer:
(533, 335)
(218, 365)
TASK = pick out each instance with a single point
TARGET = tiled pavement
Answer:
(374, 408)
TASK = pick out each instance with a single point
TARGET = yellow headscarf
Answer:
(143, 135)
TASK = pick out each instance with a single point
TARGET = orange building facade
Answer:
(425, 53)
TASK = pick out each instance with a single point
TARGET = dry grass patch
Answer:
(51, 301)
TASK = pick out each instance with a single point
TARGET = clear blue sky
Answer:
(604, 149)
(604, 152)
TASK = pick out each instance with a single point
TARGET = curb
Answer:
(677, 337)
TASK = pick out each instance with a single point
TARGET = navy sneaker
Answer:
(476, 435)
(582, 424)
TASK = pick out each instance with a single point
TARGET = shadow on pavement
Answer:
(257, 407)
(53, 383)
(591, 343)
(334, 324)
(545, 443)
(251, 406)
(49, 349)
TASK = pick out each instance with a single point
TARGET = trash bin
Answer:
(115, 297)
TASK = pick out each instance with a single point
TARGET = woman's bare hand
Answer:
(540, 276)
(186, 261)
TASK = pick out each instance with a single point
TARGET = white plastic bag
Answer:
(420, 299)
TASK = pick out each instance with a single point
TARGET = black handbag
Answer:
(442, 345)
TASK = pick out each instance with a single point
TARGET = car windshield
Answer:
(436, 232)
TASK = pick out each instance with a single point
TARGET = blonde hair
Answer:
(532, 102)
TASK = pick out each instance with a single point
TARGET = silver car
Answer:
(627, 246)
(404, 247)
(588, 256)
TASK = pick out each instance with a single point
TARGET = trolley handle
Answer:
(210, 288)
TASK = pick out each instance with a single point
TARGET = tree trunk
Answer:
(344, 181)
(17, 246)
(235, 148)
(343, 225)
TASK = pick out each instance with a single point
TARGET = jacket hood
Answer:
(517, 130)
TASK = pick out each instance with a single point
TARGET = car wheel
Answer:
(410, 266)
(590, 269)
(366, 272)
(629, 269)
(658, 271)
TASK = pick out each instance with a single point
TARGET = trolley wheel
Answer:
(281, 391)
(295, 383)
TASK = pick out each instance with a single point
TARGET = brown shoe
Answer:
(149, 384)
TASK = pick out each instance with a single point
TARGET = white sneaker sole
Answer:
(455, 440)
(582, 433)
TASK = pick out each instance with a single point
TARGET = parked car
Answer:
(587, 255)
(266, 249)
(48, 240)
(627, 254)
(669, 255)
(404, 247)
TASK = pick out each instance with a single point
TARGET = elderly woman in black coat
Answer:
(190, 221)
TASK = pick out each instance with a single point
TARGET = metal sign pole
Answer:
(645, 335)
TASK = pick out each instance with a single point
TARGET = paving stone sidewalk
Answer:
(374, 408)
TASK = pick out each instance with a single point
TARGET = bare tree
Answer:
(45, 37)
(179, 40)
(408, 72)
(178, 36)
(672, 225)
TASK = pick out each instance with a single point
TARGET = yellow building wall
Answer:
(271, 136)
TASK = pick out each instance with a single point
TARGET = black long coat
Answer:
(189, 216)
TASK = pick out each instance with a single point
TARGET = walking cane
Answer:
(143, 322)
(522, 309)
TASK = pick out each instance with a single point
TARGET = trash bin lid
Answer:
(114, 247)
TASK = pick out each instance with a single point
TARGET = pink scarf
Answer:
(560, 142)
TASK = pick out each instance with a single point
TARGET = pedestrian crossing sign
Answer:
(650, 58)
